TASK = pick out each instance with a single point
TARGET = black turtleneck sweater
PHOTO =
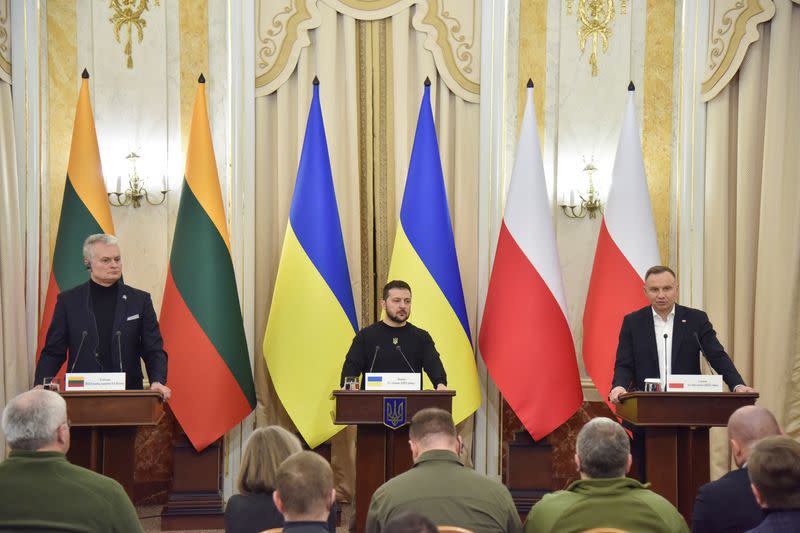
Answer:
(104, 305)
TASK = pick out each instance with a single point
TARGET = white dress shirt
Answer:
(664, 346)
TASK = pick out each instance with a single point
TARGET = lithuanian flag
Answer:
(201, 320)
(84, 211)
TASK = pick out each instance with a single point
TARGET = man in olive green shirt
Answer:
(604, 497)
(41, 489)
(440, 487)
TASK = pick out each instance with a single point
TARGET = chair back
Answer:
(273, 530)
(453, 529)
(606, 530)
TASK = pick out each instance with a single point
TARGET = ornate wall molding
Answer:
(281, 33)
(5, 41)
(453, 37)
(369, 9)
(452, 29)
(732, 30)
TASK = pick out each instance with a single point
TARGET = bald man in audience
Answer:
(440, 487)
(41, 490)
(727, 504)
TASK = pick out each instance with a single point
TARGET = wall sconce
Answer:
(136, 191)
(589, 205)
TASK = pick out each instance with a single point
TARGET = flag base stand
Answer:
(196, 498)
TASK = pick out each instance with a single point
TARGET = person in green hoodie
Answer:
(42, 491)
(604, 497)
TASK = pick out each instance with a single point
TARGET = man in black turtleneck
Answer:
(105, 325)
(393, 344)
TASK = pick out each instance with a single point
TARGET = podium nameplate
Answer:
(694, 383)
(392, 381)
(89, 381)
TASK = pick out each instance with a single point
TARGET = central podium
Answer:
(381, 451)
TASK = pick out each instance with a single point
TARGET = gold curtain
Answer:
(752, 223)
(13, 337)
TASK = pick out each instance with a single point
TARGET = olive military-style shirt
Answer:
(441, 488)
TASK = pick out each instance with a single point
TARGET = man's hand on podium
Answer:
(743, 388)
(441, 386)
(163, 390)
(615, 393)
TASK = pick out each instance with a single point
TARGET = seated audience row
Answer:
(283, 486)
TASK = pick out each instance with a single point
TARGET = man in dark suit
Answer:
(727, 505)
(662, 328)
(105, 325)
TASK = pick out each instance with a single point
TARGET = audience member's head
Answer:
(602, 450)
(266, 449)
(774, 469)
(36, 420)
(746, 426)
(410, 523)
(433, 429)
(304, 488)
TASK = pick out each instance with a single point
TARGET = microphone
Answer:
(80, 345)
(404, 358)
(666, 358)
(700, 345)
(119, 349)
(374, 357)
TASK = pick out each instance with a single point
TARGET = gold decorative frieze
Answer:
(453, 37)
(452, 29)
(369, 9)
(5, 41)
(127, 15)
(733, 28)
(281, 33)
(595, 17)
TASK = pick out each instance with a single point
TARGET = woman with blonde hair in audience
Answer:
(253, 510)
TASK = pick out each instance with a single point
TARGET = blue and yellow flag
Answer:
(312, 319)
(424, 255)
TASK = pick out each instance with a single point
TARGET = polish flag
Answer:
(626, 248)
(525, 338)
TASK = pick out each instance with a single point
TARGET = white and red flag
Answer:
(525, 338)
(626, 248)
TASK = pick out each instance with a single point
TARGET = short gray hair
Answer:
(603, 448)
(30, 420)
(90, 241)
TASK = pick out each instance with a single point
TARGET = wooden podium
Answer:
(381, 452)
(104, 425)
(675, 426)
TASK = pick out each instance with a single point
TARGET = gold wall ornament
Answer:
(129, 13)
(595, 17)
(570, 7)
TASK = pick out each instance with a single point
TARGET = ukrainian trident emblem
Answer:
(394, 412)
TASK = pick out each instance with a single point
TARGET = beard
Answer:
(399, 317)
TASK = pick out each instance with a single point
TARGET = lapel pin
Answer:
(683, 321)
(125, 297)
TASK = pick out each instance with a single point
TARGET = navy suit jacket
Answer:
(135, 334)
(637, 353)
(726, 505)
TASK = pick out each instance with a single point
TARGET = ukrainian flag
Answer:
(424, 255)
(312, 319)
